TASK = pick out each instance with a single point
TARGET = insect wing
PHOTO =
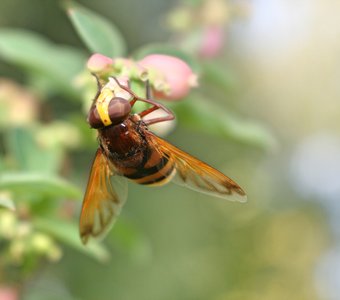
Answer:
(105, 195)
(197, 175)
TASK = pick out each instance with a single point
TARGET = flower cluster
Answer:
(170, 78)
(21, 242)
(200, 27)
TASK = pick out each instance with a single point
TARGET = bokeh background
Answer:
(275, 74)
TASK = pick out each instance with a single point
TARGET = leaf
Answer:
(204, 116)
(38, 56)
(220, 77)
(30, 183)
(130, 240)
(98, 33)
(68, 233)
(28, 155)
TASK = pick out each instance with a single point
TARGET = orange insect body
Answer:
(129, 150)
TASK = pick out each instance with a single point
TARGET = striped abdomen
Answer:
(156, 169)
(134, 155)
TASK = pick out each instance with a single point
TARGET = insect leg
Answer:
(155, 105)
(148, 91)
(168, 117)
(99, 86)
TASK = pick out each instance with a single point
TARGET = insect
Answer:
(127, 149)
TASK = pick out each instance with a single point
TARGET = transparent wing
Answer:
(105, 195)
(197, 175)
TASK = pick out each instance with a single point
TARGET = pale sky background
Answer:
(290, 53)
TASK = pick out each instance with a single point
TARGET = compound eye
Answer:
(93, 118)
(119, 109)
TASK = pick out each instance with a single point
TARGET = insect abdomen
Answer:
(157, 170)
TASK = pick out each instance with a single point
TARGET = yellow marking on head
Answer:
(102, 105)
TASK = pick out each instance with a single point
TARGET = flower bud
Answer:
(17, 250)
(54, 254)
(9, 293)
(19, 107)
(98, 63)
(58, 133)
(41, 243)
(215, 12)
(174, 78)
(212, 41)
(8, 224)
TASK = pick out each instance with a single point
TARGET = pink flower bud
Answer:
(99, 63)
(175, 76)
(8, 293)
(212, 41)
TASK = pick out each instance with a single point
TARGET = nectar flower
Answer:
(172, 78)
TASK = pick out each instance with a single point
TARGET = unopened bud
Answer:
(178, 76)
(98, 63)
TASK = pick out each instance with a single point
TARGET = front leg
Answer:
(155, 105)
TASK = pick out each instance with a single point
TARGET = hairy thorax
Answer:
(124, 143)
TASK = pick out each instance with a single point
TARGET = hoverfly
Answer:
(127, 149)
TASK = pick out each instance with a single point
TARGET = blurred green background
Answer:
(265, 113)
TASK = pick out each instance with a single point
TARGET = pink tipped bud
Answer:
(212, 41)
(8, 293)
(99, 63)
(178, 78)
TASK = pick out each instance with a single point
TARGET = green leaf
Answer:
(98, 33)
(167, 50)
(204, 116)
(220, 77)
(30, 183)
(28, 154)
(68, 233)
(41, 58)
(130, 240)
